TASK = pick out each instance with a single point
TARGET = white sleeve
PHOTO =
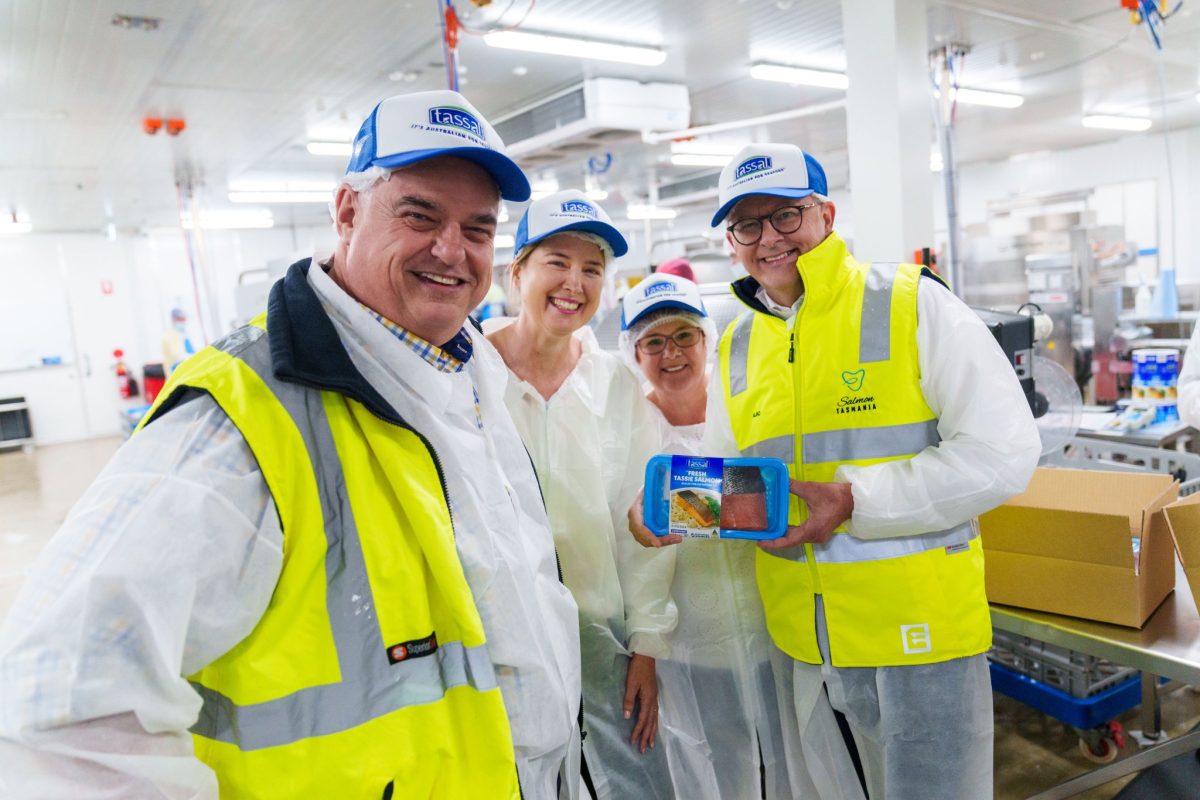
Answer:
(719, 441)
(1189, 382)
(645, 573)
(166, 562)
(989, 445)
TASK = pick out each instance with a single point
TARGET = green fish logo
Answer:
(854, 380)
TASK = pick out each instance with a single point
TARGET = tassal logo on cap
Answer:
(454, 117)
(579, 207)
(752, 165)
(658, 288)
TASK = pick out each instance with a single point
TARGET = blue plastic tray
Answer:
(656, 502)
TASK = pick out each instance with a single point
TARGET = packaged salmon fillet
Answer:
(699, 497)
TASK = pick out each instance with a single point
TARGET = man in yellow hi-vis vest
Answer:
(901, 420)
(322, 569)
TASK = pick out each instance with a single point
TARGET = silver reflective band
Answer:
(781, 447)
(371, 687)
(321, 710)
(739, 354)
(858, 444)
(842, 548)
(875, 328)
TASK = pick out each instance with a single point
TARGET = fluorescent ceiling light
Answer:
(504, 241)
(649, 212)
(230, 219)
(310, 184)
(698, 160)
(330, 148)
(280, 197)
(982, 97)
(579, 48)
(1114, 123)
(695, 147)
(799, 75)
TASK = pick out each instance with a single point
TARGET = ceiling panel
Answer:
(253, 79)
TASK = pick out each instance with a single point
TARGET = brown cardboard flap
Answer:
(1119, 493)
(1060, 586)
(1053, 533)
(1183, 518)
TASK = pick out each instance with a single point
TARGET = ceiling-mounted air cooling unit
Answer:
(689, 190)
(592, 114)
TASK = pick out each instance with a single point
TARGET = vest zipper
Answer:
(798, 434)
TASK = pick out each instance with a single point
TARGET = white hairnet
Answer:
(629, 338)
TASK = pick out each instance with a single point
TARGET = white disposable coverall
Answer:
(723, 700)
(988, 452)
(1189, 383)
(171, 556)
(590, 443)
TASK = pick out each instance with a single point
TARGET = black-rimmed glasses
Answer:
(683, 339)
(748, 230)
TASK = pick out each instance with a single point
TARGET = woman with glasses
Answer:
(587, 426)
(721, 697)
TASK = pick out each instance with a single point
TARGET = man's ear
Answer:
(828, 215)
(345, 210)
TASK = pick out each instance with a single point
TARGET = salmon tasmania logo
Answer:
(852, 404)
(854, 380)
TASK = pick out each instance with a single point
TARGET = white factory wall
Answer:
(1131, 179)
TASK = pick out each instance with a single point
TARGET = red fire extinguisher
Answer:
(126, 384)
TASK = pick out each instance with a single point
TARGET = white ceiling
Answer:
(254, 80)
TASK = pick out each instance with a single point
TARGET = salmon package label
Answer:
(695, 492)
(700, 497)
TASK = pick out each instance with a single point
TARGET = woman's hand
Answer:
(641, 693)
(644, 535)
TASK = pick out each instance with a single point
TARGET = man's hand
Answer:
(829, 505)
(641, 692)
(644, 535)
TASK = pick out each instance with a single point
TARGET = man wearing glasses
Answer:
(901, 421)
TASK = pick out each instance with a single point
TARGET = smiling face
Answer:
(560, 283)
(417, 248)
(674, 370)
(772, 259)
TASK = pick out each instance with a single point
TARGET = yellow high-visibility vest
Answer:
(370, 666)
(841, 385)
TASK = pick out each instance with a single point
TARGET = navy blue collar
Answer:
(305, 347)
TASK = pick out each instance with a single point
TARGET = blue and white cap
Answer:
(781, 170)
(568, 210)
(657, 292)
(408, 128)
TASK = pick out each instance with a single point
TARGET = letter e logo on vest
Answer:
(916, 638)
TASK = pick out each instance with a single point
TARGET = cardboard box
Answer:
(1183, 517)
(1066, 545)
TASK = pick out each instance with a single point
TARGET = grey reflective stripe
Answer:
(781, 447)
(855, 444)
(842, 548)
(739, 354)
(321, 710)
(875, 329)
(371, 686)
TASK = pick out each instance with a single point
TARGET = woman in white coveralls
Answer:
(582, 415)
(721, 697)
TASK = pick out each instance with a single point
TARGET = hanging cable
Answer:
(450, 27)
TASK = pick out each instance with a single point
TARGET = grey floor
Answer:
(37, 489)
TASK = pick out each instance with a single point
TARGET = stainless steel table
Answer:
(1163, 434)
(1168, 646)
